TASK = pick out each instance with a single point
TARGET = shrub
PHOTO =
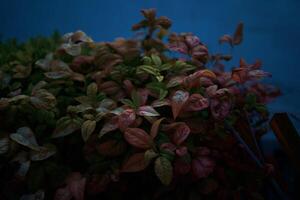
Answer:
(133, 118)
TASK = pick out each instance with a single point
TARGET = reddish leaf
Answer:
(76, 185)
(181, 133)
(202, 167)
(155, 127)
(196, 102)
(138, 138)
(147, 111)
(143, 95)
(177, 102)
(129, 87)
(220, 109)
(193, 80)
(126, 118)
(168, 147)
(181, 151)
(135, 163)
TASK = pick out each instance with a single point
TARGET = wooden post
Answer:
(288, 137)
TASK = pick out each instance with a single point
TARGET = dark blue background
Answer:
(272, 28)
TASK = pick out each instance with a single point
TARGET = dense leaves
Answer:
(80, 118)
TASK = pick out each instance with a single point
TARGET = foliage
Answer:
(80, 118)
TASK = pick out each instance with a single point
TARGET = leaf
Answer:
(87, 129)
(76, 185)
(110, 125)
(92, 89)
(163, 170)
(155, 127)
(138, 138)
(66, 126)
(42, 99)
(134, 163)
(43, 153)
(147, 111)
(202, 167)
(175, 81)
(4, 145)
(57, 74)
(71, 49)
(128, 102)
(196, 102)
(156, 60)
(126, 118)
(148, 69)
(180, 134)
(178, 100)
(25, 137)
(162, 94)
(238, 35)
(160, 103)
(149, 155)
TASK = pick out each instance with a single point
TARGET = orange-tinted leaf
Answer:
(238, 34)
(135, 163)
(196, 102)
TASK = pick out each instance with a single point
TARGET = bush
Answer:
(134, 118)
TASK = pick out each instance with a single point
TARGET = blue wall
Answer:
(272, 28)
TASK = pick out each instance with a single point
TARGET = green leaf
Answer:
(156, 60)
(92, 89)
(135, 98)
(87, 129)
(148, 69)
(128, 102)
(163, 170)
(65, 126)
(150, 154)
(43, 153)
(162, 94)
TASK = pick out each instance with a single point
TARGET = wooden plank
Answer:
(287, 136)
